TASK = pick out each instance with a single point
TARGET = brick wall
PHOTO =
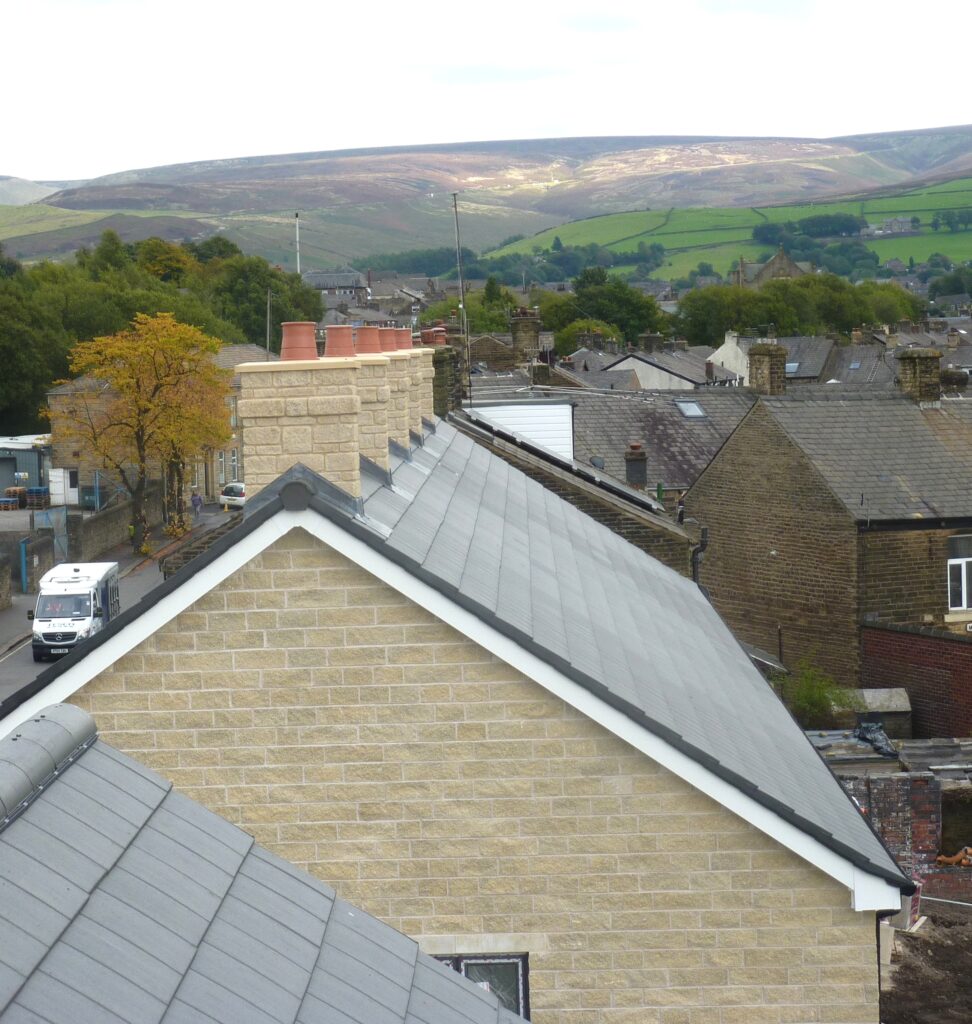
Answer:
(432, 784)
(906, 811)
(782, 550)
(935, 668)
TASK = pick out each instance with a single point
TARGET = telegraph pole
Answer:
(463, 322)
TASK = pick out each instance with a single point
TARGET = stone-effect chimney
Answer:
(374, 393)
(300, 410)
(636, 466)
(525, 331)
(919, 374)
(767, 369)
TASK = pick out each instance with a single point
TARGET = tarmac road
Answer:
(139, 576)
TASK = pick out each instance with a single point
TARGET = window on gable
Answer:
(960, 573)
(792, 367)
(691, 410)
(503, 974)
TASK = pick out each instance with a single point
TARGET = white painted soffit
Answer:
(869, 892)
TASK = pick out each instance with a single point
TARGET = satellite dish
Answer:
(597, 462)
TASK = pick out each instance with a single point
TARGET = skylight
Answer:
(792, 367)
(691, 410)
(856, 365)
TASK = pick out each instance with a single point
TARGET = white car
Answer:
(233, 495)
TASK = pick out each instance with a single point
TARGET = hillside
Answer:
(718, 235)
(356, 202)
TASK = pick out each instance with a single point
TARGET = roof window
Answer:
(856, 365)
(691, 410)
(792, 367)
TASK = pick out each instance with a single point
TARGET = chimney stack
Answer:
(767, 369)
(636, 466)
(709, 371)
(919, 374)
(300, 409)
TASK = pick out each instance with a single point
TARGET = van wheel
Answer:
(38, 656)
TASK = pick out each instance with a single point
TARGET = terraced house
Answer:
(489, 721)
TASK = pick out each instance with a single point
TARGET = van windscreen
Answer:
(63, 606)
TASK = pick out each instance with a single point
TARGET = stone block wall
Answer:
(358, 736)
(301, 411)
(934, 666)
(446, 382)
(782, 550)
(905, 578)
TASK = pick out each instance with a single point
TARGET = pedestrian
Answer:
(197, 504)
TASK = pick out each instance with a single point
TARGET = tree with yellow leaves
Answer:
(147, 396)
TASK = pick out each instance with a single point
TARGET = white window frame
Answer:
(234, 464)
(221, 467)
(962, 565)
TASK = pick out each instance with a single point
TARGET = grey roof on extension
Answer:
(881, 454)
(125, 901)
(687, 364)
(579, 597)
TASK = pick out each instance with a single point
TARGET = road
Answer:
(17, 666)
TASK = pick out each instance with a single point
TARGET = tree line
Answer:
(46, 309)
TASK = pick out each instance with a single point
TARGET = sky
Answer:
(96, 87)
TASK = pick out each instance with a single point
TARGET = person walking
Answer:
(197, 504)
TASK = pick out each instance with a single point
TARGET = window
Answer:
(856, 364)
(504, 974)
(792, 367)
(221, 467)
(234, 464)
(691, 410)
(960, 573)
(232, 411)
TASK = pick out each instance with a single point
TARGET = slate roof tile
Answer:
(185, 918)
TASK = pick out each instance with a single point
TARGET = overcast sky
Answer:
(97, 86)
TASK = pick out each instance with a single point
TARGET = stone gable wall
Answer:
(356, 735)
(782, 550)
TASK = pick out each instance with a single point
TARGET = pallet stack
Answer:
(38, 497)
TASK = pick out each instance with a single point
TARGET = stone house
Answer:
(840, 531)
(344, 287)
(807, 357)
(216, 467)
(490, 721)
(778, 267)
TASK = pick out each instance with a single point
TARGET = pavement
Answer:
(14, 624)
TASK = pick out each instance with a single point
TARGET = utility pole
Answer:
(297, 228)
(269, 293)
(463, 322)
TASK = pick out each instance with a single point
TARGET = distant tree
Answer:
(598, 297)
(936, 222)
(110, 253)
(9, 267)
(216, 247)
(160, 396)
(951, 220)
(565, 340)
(557, 245)
(492, 294)
(164, 260)
(915, 223)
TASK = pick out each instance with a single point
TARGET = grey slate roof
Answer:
(582, 599)
(678, 447)
(860, 364)
(881, 454)
(684, 363)
(125, 901)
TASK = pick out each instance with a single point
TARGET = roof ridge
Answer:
(57, 751)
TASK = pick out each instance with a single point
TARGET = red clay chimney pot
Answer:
(298, 340)
(339, 341)
(366, 340)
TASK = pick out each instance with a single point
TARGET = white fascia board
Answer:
(869, 892)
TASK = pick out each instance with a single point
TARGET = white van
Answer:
(74, 602)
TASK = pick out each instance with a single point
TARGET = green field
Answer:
(24, 220)
(720, 235)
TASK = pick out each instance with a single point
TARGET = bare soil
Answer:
(931, 977)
